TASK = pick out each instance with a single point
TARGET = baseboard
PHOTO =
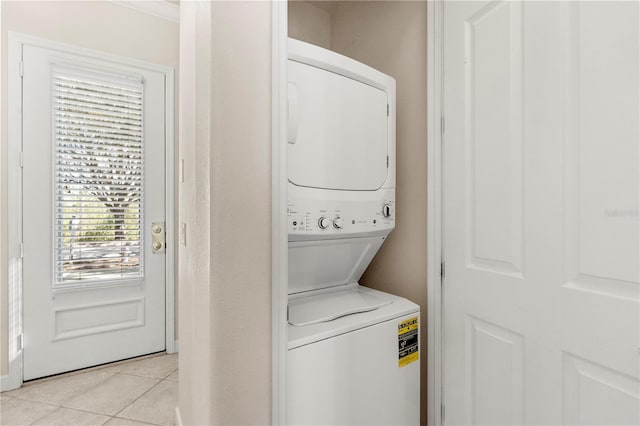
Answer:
(8, 383)
(12, 380)
(4, 382)
(172, 349)
(178, 417)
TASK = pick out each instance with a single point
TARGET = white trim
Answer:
(4, 383)
(90, 53)
(434, 224)
(10, 381)
(178, 417)
(160, 9)
(279, 244)
(14, 218)
(15, 43)
(169, 215)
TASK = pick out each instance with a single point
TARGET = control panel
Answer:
(315, 218)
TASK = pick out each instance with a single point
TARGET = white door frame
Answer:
(15, 215)
(435, 267)
(279, 235)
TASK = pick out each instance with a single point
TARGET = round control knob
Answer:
(323, 222)
(386, 210)
(338, 223)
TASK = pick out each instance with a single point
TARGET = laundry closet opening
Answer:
(390, 37)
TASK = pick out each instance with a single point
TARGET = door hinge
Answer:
(442, 124)
(387, 110)
(21, 248)
(19, 342)
(387, 161)
(21, 159)
(441, 269)
(21, 69)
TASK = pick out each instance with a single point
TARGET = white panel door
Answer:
(541, 293)
(338, 136)
(93, 142)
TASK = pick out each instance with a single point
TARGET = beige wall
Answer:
(309, 23)
(225, 202)
(391, 36)
(103, 26)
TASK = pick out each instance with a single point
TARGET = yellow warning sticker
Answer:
(408, 348)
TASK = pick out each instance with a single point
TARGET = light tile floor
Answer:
(140, 391)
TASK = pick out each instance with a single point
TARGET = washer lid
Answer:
(314, 265)
(329, 306)
(300, 336)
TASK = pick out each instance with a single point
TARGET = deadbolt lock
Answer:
(157, 237)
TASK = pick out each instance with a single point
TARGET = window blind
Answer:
(99, 176)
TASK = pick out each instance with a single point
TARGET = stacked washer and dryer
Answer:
(353, 351)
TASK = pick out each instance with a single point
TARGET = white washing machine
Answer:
(353, 351)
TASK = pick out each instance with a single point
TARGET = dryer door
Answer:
(338, 132)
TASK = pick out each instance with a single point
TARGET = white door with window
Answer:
(541, 231)
(93, 206)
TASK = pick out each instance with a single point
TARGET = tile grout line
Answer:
(93, 369)
(40, 418)
(165, 377)
(87, 390)
(69, 399)
(109, 417)
(109, 375)
(124, 418)
(138, 421)
(141, 395)
(60, 407)
(36, 402)
(82, 411)
(146, 377)
(112, 374)
(115, 416)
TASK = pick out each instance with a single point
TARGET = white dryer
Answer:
(353, 351)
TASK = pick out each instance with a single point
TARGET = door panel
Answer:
(495, 373)
(541, 232)
(91, 294)
(601, 180)
(493, 106)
